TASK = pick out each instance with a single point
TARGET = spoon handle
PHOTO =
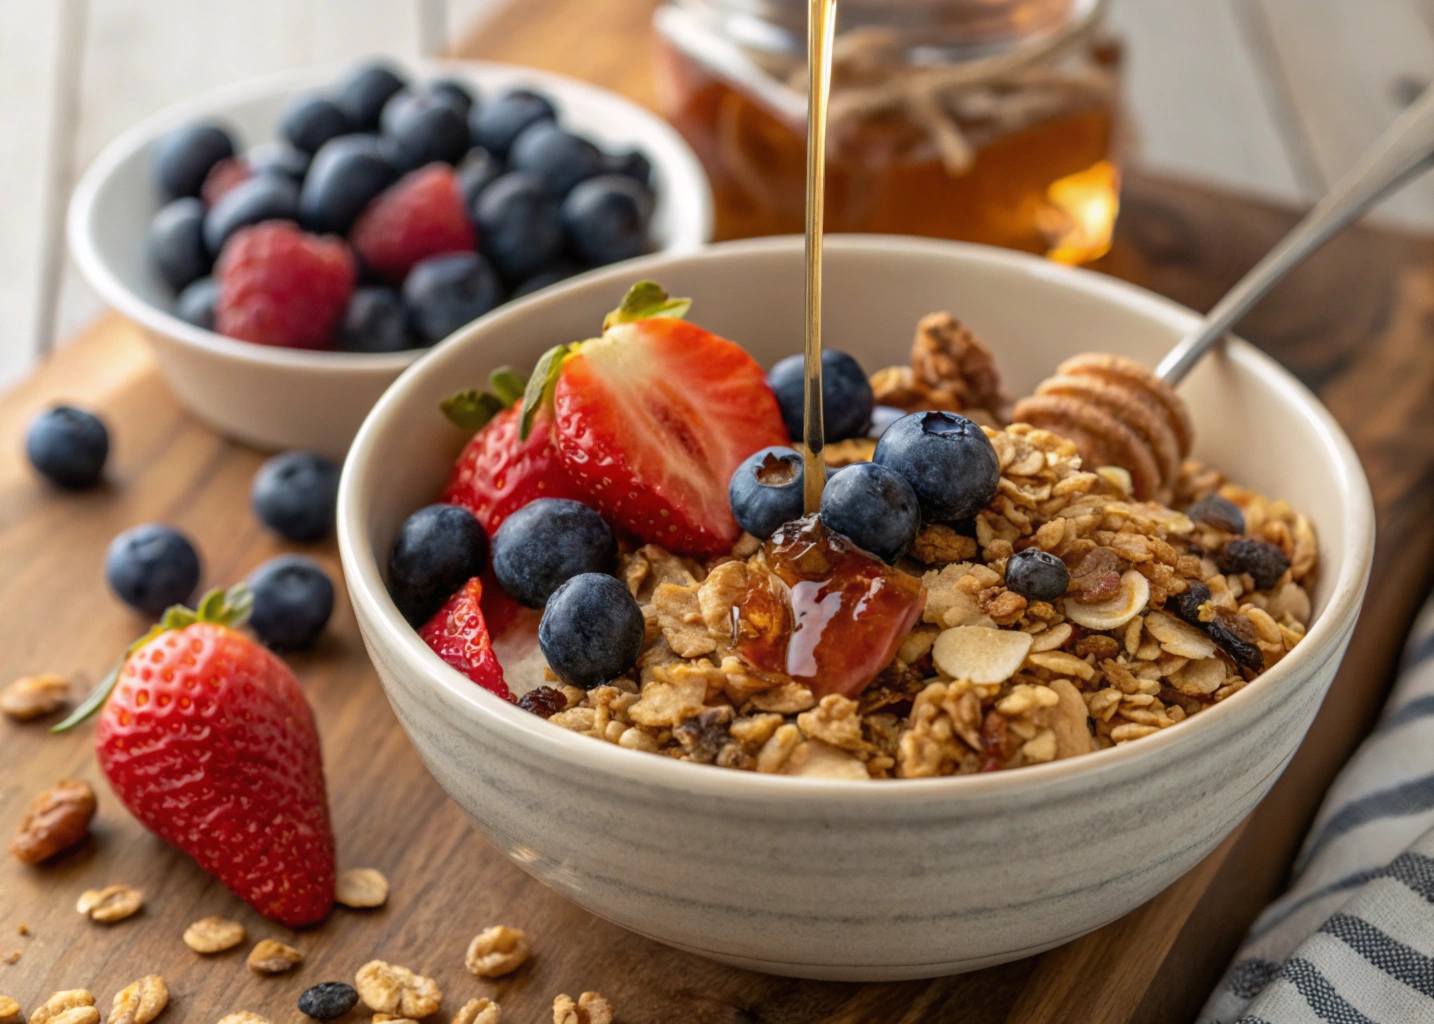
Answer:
(1399, 154)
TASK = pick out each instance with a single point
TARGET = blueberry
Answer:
(1264, 561)
(175, 242)
(846, 395)
(68, 447)
(561, 271)
(425, 129)
(591, 631)
(455, 92)
(606, 219)
(183, 157)
(546, 543)
(437, 550)
(346, 173)
(495, 124)
(477, 171)
(294, 494)
(374, 322)
(946, 459)
(293, 599)
(442, 293)
(556, 157)
(151, 567)
(1037, 575)
(363, 93)
(328, 1000)
(873, 506)
(278, 158)
(195, 304)
(266, 197)
(519, 226)
(633, 163)
(883, 416)
(310, 120)
(766, 490)
(1218, 512)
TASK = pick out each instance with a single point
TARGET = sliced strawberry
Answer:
(653, 418)
(459, 635)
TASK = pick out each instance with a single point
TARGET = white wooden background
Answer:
(1273, 96)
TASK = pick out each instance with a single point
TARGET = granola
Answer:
(361, 888)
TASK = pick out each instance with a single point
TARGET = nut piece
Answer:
(77, 1015)
(388, 988)
(140, 1001)
(9, 1010)
(56, 820)
(980, 653)
(110, 904)
(478, 1011)
(213, 935)
(361, 888)
(591, 1008)
(497, 951)
(388, 1018)
(34, 696)
(1118, 610)
(242, 1017)
(270, 957)
(62, 1003)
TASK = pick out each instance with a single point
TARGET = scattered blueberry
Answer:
(1218, 512)
(346, 173)
(364, 92)
(374, 322)
(1187, 605)
(310, 120)
(477, 171)
(874, 506)
(1037, 575)
(442, 293)
(883, 416)
(195, 304)
(437, 550)
(633, 163)
(295, 493)
(68, 447)
(519, 226)
(556, 157)
(591, 631)
(457, 94)
(151, 567)
(946, 459)
(846, 395)
(546, 543)
(183, 157)
(426, 128)
(328, 1000)
(293, 599)
(766, 490)
(278, 158)
(1264, 561)
(561, 271)
(495, 124)
(606, 218)
(266, 197)
(175, 242)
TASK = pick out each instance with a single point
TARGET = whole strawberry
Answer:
(206, 737)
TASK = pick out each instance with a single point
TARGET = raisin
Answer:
(1236, 638)
(704, 735)
(328, 1000)
(1187, 605)
(543, 701)
(1216, 511)
(1264, 561)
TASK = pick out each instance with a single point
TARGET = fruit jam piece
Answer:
(831, 616)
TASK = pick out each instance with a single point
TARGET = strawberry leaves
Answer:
(471, 409)
(541, 385)
(646, 300)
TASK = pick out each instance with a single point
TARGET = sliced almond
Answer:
(1062, 663)
(1200, 678)
(1179, 637)
(817, 760)
(1112, 614)
(1050, 639)
(980, 653)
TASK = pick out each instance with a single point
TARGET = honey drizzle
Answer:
(821, 31)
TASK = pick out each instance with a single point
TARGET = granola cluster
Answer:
(1166, 614)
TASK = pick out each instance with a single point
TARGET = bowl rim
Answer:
(410, 654)
(678, 162)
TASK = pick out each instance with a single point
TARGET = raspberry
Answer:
(222, 177)
(419, 216)
(279, 286)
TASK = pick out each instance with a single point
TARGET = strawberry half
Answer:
(653, 418)
(458, 634)
(206, 737)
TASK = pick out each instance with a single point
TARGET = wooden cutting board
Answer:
(1356, 324)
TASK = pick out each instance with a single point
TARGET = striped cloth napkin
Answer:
(1352, 941)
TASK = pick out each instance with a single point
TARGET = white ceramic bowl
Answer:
(863, 880)
(287, 398)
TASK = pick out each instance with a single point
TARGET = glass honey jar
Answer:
(993, 121)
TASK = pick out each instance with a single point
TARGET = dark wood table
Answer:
(1356, 324)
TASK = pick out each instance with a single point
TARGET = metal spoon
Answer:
(1402, 152)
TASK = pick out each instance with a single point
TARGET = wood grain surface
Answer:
(1357, 325)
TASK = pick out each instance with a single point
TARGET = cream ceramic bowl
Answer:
(862, 880)
(278, 398)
